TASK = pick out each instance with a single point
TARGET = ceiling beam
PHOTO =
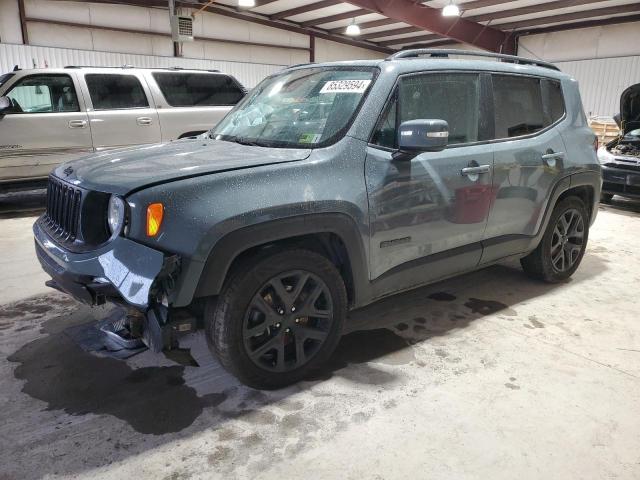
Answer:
(389, 33)
(486, 17)
(431, 19)
(417, 38)
(586, 24)
(617, 10)
(474, 5)
(567, 17)
(390, 21)
(259, 3)
(334, 18)
(292, 12)
(372, 24)
(537, 8)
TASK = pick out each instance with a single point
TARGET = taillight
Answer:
(155, 213)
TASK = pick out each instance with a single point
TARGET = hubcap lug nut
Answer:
(297, 320)
(281, 311)
(277, 325)
(293, 309)
(287, 330)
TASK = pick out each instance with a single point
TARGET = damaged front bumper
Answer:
(123, 268)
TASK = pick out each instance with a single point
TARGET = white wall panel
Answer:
(327, 51)
(605, 60)
(602, 81)
(25, 56)
(583, 43)
(10, 30)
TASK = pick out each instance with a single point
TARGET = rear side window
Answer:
(518, 106)
(198, 89)
(113, 91)
(553, 101)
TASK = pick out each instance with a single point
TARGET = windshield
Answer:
(632, 135)
(5, 77)
(303, 108)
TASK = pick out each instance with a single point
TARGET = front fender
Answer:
(204, 279)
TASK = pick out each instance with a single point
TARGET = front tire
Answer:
(278, 318)
(563, 245)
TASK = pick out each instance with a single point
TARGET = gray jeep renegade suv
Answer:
(328, 187)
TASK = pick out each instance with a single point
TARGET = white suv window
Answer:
(110, 91)
(184, 89)
(43, 94)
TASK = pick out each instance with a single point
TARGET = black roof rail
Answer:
(444, 53)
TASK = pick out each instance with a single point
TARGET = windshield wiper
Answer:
(245, 141)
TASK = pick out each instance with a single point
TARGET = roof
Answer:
(434, 59)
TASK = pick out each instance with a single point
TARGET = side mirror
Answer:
(5, 105)
(423, 135)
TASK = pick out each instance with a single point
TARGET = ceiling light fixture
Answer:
(353, 29)
(451, 10)
(247, 3)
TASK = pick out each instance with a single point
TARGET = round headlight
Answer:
(115, 214)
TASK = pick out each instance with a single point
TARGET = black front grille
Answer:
(624, 166)
(63, 209)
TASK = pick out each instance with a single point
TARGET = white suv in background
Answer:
(53, 115)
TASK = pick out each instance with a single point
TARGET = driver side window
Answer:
(453, 97)
(43, 94)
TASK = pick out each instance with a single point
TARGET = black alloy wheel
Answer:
(568, 240)
(287, 321)
(563, 243)
(278, 318)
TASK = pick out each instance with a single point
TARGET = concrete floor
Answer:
(489, 375)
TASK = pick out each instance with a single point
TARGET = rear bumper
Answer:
(123, 268)
(618, 181)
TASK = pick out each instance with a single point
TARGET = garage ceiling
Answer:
(390, 25)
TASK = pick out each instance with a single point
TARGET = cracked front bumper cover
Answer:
(121, 268)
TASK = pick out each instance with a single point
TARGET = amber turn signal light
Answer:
(155, 212)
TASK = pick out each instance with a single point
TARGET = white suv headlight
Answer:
(604, 156)
(115, 214)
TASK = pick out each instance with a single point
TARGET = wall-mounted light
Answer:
(451, 10)
(353, 29)
(247, 3)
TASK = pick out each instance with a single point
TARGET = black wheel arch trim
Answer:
(233, 244)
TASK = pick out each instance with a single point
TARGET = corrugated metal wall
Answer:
(25, 56)
(602, 80)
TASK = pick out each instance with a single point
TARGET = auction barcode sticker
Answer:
(345, 86)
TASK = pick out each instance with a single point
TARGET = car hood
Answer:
(124, 170)
(630, 108)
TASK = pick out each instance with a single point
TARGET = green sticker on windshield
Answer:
(310, 138)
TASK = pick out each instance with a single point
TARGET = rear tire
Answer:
(563, 245)
(278, 318)
(606, 197)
